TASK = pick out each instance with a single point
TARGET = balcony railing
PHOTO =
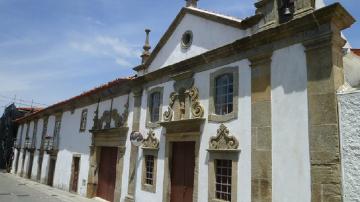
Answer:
(48, 144)
(29, 144)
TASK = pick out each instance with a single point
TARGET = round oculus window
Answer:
(186, 39)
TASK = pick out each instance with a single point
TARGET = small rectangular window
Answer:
(224, 94)
(223, 169)
(149, 172)
(83, 120)
(155, 107)
(57, 126)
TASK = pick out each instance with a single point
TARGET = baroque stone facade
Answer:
(270, 132)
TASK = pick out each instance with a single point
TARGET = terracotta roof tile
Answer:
(356, 51)
(84, 94)
(30, 109)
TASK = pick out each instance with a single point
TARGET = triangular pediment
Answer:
(209, 31)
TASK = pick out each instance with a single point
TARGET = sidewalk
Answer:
(35, 190)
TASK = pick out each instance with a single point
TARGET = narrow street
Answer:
(16, 189)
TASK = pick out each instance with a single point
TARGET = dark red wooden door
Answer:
(182, 174)
(30, 165)
(107, 173)
(75, 174)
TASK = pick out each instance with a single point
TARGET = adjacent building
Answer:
(8, 132)
(222, 109)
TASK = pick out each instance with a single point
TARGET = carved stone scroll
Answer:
(196, 109)
(151, 142)
(223, 141)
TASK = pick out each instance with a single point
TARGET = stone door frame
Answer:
(179, 137)
(71, 184)
(106, 138)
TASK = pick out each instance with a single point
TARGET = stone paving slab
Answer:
(16, 189)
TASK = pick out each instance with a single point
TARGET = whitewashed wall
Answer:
(37, 146)
(44, 169)
(240, 128)
(352, 69)
(349, 110)
(125, 173)
(204, 34)
(291, 163)
(290, 142)
(73, 142)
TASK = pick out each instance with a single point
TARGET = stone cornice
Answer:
(186, 125)
(120, 131)
(334, 14)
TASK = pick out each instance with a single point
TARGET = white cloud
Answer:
(112, 47)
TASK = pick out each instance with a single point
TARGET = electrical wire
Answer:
(21, 100)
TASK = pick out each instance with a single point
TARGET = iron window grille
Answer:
(149, 172)
(223, 179)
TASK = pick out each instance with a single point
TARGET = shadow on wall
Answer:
(289, 69)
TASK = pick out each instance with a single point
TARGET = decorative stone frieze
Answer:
(222, 140)
(150, 142)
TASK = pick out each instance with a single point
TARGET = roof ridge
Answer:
(217, 14)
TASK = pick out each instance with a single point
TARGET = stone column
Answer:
(92, 175)
(119, 169)
(325, 76)
(134, 150)
(261, 147)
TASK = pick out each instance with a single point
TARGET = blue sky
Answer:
(53, 50)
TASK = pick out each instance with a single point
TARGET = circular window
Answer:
(186, 39)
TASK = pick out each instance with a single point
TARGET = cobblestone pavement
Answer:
(16, 189)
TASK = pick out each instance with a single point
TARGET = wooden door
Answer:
(40, 160)
(31, 161)
(182, 174)
(75, 174)
(51, 171)
(107, 173)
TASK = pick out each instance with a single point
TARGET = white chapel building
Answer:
(221, 109)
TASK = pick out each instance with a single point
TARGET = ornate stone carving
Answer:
(104, 122)
(222, 141)
(168, 114)
(196, 109)
(184, 99)
(151, 142)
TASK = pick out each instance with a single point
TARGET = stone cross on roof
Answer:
(191, 3)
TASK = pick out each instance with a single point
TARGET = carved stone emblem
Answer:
(223, 141)
(183, 100)
(108, 116)
(151, 142)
